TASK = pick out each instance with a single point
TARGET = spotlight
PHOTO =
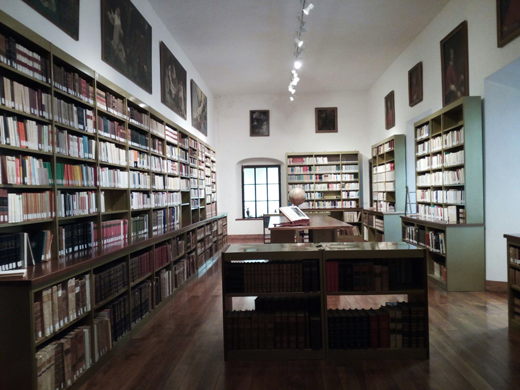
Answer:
(298, 41)
(297, 65)
(307, 9)
(291, 99)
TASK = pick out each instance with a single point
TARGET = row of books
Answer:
(54, 307)
(422, 131)
(18, 250)
(111, 103)
(138, 159)
(397, 325)
(25, 99)
(141, 301)
(440, 272)
(72, 83)
(111, 129)
(114, 234)
(351, 216)
(433, 240)
(386, 147)
(139, 118)
(61, 363)
(112, 153)
(333, 204)
(77, 237)
(163, 285)
(162, 255)
(26, 170)
(453, 138)
(350, 194)
(69, 175)
(25, 133)
(138, 139)
(160, 222)
(284, 323)
(273, 276)
(442, 196)
(70, 114)
(157, 128)
(140, 266)
(514, 254)
(450, 214)
(171, 135)
(75, 146)
(109, 282)
(27, 206)
(156, 145)
(118, 314)
(14, 54)
(452, 177)
(139, 228)
(377, 276)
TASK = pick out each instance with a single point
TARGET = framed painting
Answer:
(454, 64)
(126, 41)
(326, 119)
(259, 123)
(508, 21)
(415, 85)
(390, 110)
(63, 13)
(199, 109)
(173, 82)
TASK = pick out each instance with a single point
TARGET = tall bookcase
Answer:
(331, 181)
(284, 276)
(450, 195)
(382, 221)
(112, 173)
(513, 279)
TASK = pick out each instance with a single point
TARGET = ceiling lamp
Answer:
(307, 9)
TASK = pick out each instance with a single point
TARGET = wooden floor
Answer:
(182, 348)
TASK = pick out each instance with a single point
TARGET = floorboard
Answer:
(182, 349)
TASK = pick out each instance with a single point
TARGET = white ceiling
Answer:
(246, 46)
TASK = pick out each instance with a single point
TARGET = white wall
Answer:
(502, 186)
(291, 130)
(485, 58)
(88, 51)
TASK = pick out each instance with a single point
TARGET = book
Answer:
(294, 215)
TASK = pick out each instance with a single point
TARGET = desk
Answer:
(321, 229)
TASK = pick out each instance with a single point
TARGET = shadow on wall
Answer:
(258, 161)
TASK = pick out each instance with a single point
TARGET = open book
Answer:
(295, 216)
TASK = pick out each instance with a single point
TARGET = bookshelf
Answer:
(331, 181)
(294, 271)
(450, 196)
(513, 279)
(113, 180)
(370, 268)
(281, 277)
(165, 272)
(388, 190)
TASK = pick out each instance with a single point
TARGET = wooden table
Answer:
(321, 229)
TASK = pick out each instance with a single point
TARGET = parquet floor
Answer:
(182, 348)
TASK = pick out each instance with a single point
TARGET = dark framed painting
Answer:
(326, 119)
(174, 92)
(508, 21)
(199, 109)
(454, 64)
(259, 123)
(63, 13)
(126, 41)
(415, 85)
(390, 110)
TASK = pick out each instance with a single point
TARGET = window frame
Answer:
(256, 201)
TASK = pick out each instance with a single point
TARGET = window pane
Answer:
(273, 207)
(261, 192)
(261, 208)
(251, 206)
(249, 192)
(272, 174)
(249, 175)
(261, 175)
(274, 193)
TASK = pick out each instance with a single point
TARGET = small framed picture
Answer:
(389, 111)
(259, 123)
(508, 21)
(454, 62)
(326, 119)
(415, 85)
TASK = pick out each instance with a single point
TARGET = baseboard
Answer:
(245, 238)
(493, 286)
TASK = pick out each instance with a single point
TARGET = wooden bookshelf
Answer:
(331, 181)
(513, 279)
(456, 259)
(72, 84)
(382, 221)
(257, 254)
